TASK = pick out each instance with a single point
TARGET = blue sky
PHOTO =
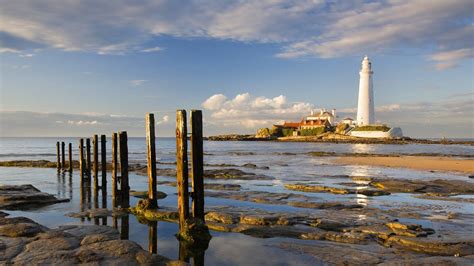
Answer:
(85, 67)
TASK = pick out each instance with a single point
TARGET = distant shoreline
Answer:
(425, 163)
(339, 139)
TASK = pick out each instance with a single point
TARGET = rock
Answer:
(259, 219)
(436, 260)
(334, 190)
(471, 176)
(220, 217)
(52, 244)
(11, 247)
(69, 245)
(328, 225)
(411, 230)
(20, 230)
(163, 214)
(231, 173)
(347, 237)
(325, 205)
(418, 186)
(432, 246)
(315, 188)
(85, 230)
(13, 197)
(144, 194)
(89, 239)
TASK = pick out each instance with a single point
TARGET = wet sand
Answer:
(413, 162)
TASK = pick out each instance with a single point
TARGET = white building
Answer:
(365, 107)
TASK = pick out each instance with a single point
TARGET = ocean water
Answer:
(286, 162)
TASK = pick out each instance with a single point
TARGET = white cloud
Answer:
(163, 120)
(137, 82)
(214, 102)
(80, 122)
(26, 55)
(321, 28)
(152, 49)
(450, 59)
(250, 112)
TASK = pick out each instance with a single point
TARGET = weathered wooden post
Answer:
(151, 159)
(58, 156)
(88, 158)
(81, 161)
(95, 164)
(63, 155)
(197, 162)
(103, 161)
(182, 168)
(124, 188)
(114, 170)
(70, 157)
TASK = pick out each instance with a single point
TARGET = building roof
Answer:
(291, 124)
(313, 122)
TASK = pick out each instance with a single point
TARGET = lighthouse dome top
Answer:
(366, 65)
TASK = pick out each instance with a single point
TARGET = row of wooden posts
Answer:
(120, 165)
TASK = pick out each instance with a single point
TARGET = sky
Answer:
(77, 68)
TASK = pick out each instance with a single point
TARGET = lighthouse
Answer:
(365, 107)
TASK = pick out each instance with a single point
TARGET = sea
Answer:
(285, 162)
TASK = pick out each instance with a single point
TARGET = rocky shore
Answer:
(336, 138)
(25, 242)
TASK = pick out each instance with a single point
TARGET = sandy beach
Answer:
(413, 162)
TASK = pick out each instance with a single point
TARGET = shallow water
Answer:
(287, 162)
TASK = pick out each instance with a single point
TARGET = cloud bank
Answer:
(245, 113)
(319, 28)
(37, 124)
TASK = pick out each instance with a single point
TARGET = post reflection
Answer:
(153, 237)
(195, 251)
(82, 199)
(124, 227)
(104, 205)
(70, 186)
(61, 185)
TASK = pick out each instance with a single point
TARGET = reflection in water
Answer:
(124, 227)
(362, 199)
(70, 186)
(196, 251)
(362, 148)
(153, 237)
(61, 185)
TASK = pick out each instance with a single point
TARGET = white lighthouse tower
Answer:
(365, 108)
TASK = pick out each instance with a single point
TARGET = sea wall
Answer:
(394, 132)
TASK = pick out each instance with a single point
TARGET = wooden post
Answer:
(182, 167)
(95, 164)
(58, 156)
(124, 188)
(70, 157)
(103, 161)
(81, 160)
(151, 159)
(114, 170)
(63, 155)
(88, 158)
(197, 164)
